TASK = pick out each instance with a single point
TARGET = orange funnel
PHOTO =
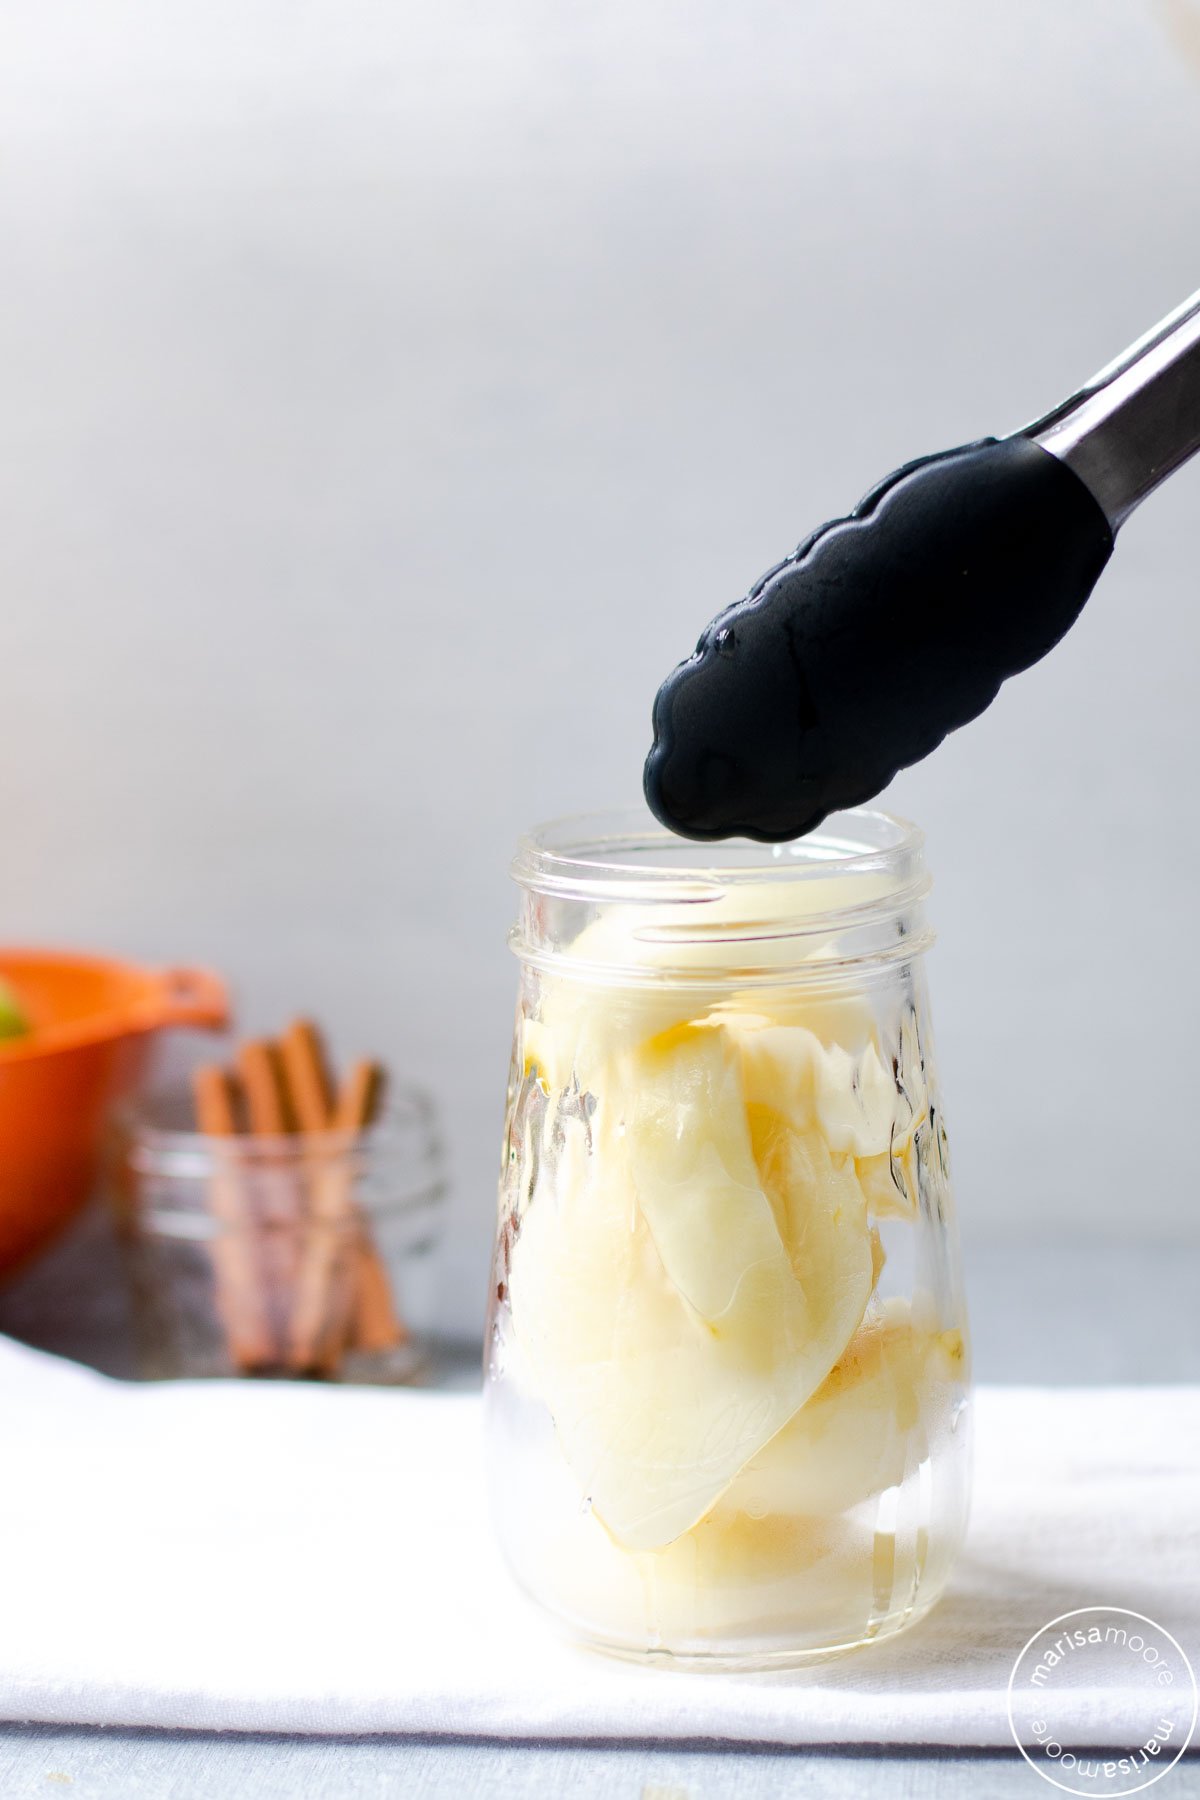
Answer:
(92, 1024)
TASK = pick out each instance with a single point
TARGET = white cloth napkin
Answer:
(287, 1558)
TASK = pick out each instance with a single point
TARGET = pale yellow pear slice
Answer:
(855, 1101)
(865, 1426)
(849, 1096)
(673, 1312)
(582, 1028)
(639, 969)
(699, 1190)
(729, 1577)
(889, 1184)
(778, 1066)
(832, 1014)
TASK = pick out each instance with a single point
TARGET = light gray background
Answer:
(390, 393)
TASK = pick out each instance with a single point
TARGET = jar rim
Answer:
(403, 1143)
(628, 854)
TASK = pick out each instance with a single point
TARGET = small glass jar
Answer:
(726, 1372)
(287, 1256)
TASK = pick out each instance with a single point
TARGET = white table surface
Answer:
(1057, 1311)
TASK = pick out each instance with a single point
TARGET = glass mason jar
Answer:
(300, 1256)
(727, 1375)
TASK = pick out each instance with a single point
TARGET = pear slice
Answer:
(849, 1096)
(863, 1427)
(639, 969)
(889, 1183)
(675, 1313)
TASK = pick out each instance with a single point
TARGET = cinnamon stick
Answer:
(275, 1181)
(261, 1069)
(377, 1325)
(358, 1101)
(325, 1282)
(374, 1324)
(307, 1075)
(238, 1282)
(343, 1293)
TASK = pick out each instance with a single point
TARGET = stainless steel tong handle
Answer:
(1135, 422)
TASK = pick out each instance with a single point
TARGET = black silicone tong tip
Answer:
(883, 632)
